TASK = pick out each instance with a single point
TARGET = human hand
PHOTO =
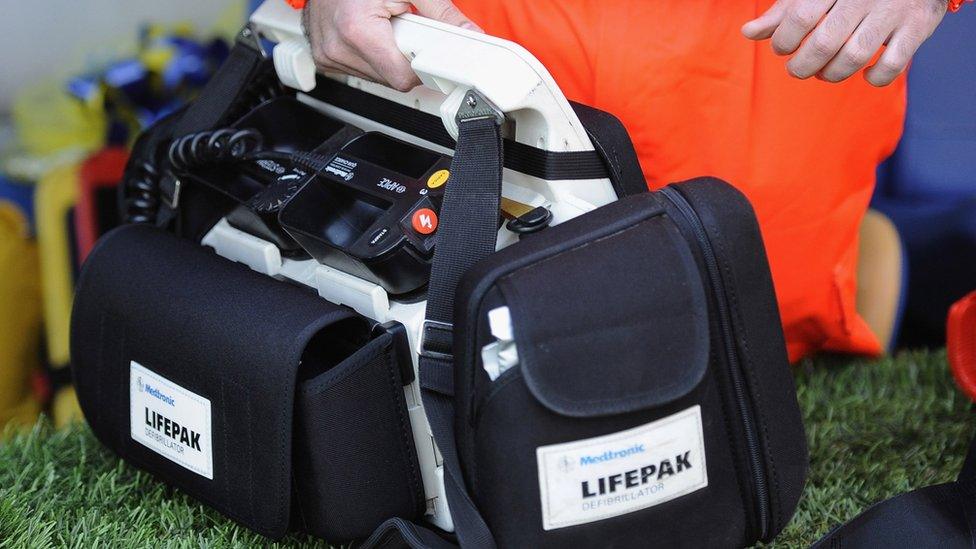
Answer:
(356, 37)
(834, 39)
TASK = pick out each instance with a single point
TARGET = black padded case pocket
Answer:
(188, 365)
(620, 423)
(756, 337)
(354, 440)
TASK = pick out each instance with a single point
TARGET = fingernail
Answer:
(469, 25)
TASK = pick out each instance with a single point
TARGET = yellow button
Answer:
(438, 178)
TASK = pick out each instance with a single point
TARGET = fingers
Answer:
(375, 48)
(905, 42)
(355, 37)
(337, 57)
(836, 38)
(798, 21)
(873, 32)
(763, 26)
(895, 58)
(445, 11)
(827, 39)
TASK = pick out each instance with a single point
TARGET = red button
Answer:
(424, 221)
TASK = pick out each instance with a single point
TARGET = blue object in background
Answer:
(125, 74)
(928, 186)
(21, 195)
(85, 87)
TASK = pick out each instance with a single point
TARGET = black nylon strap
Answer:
(940, 516)
(611, 140)
(223, 89)
(210, 108)
(469, 214)
(439, 377)
(397, 533)
(468, 230)
(548, 165)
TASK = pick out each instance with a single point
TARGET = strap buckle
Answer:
(475, 106)
(446, 333)
(250, 38)
(169, 191)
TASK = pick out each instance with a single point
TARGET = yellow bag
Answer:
(20, 318)
(49, 121)
(57, 194)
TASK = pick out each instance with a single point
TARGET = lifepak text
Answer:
(173, 430)
(636, 477)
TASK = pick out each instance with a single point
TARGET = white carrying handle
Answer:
(449, 60)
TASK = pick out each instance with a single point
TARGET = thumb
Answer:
(763, 26)
(445, 11)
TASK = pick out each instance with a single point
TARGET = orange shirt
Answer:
(699, 99)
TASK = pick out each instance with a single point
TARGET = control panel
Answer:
(364, 203)
(372, 211)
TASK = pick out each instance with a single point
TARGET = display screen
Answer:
(393, 154)
(349, 215)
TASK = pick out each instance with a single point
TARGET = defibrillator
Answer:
(449, 315)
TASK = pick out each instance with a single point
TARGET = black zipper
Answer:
(732, 357)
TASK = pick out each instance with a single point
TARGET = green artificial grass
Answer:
(875, 429)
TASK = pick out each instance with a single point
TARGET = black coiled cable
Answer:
(198, 149)
(141, 188)
(211, 147)
(142, 194)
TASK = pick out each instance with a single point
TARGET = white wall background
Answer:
(43, 39)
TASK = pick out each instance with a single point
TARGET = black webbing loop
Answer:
(939, 516)
(209, 108)
(222, 90)
(467, 234)
(397, 533)
(468, 230)
(469, 214)
(541, 163)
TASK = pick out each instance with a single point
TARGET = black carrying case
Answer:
(658, 307)
(305, 424)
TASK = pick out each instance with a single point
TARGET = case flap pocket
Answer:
(355, 452)
(186, 365)
(612, 325)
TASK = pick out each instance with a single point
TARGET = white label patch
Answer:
(170, 420)
(611, 475)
